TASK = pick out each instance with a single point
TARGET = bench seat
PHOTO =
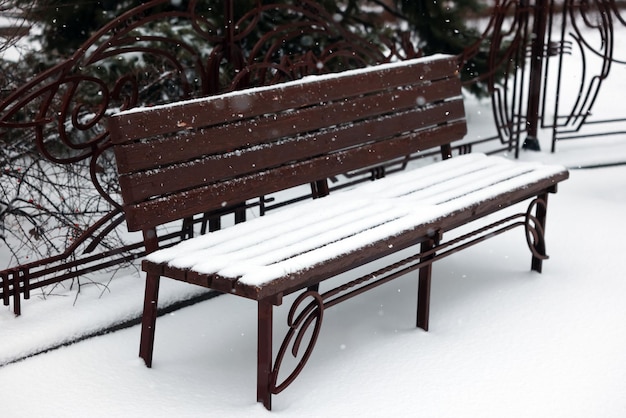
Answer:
(287, 250)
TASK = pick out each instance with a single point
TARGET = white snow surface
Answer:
(503, 341)
(298, 238)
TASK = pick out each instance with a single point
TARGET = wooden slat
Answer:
(214, 196)
(140, 186)
(188, 144)
(128, 126)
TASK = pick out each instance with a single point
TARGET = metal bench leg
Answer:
(148, 320)
(264, 354)
(423, 288)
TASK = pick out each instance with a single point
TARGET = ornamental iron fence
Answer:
(154, 53)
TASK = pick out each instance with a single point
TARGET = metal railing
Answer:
(136, 60)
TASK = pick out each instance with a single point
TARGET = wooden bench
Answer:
(199, 156)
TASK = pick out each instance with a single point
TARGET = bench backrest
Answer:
(178, 160)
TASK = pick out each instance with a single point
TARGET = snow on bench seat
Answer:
(276, 246)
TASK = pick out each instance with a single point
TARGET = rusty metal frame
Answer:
(49, 105)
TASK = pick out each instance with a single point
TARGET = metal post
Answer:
(150, 301)
(148, 319)
(423, 288)
(229, 29)
(17, 301)
(264, 354)
(536, 74)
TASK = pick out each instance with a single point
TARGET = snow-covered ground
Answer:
(504, 341)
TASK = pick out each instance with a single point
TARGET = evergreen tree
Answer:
(439, 25)
(67, 24)
(442, 29)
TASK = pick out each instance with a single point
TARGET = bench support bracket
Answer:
(535, 230)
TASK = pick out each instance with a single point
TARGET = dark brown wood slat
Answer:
(196, 278)
(175, 273)
(160, 151)
(216, 168)
(214, 196)
(128, 126)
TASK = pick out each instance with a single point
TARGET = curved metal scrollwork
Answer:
(583, 110)
(535, 231)
(157, 53)
(111, 68)
(311, 314)
(503, 44)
